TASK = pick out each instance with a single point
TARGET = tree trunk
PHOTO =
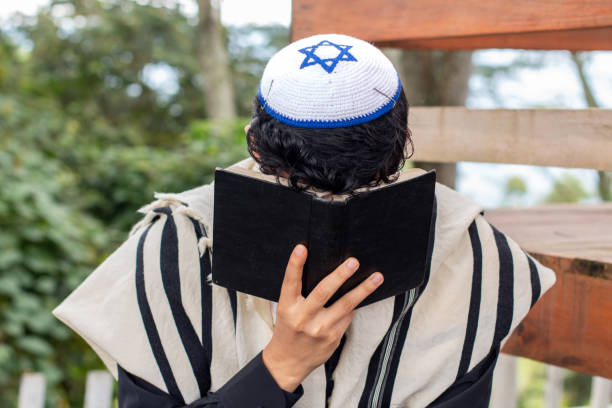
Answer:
(214, 63)
(435, 78)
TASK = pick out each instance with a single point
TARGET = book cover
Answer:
(257, 222)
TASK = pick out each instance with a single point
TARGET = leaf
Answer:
(9, 258)
(35, 345)
(9, 284)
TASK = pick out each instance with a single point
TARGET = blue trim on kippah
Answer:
(321, 124)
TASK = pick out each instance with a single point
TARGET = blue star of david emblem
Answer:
(328, 64)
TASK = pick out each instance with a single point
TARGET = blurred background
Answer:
(104, 102)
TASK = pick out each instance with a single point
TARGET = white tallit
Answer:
(479, 289)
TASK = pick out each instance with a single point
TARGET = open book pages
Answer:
(403, 175)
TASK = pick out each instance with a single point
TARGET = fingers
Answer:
(344, 322)
(292, 281)
(329, 285)
(353, 298)
(246, 128)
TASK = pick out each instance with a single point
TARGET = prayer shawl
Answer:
(149, 309)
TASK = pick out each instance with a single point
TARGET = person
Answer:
(330, 114)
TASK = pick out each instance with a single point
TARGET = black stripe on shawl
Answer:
(233, 303)
(206, 299)
(169, 264)
(377, 357)
(388, 385)
(535, 280)
(149, 323)
(330, 366)
(505, 302)
(472, 320)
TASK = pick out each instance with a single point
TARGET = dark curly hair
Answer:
(338, 160)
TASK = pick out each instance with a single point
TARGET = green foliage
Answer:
(94, 58)
(576, 389)
(86, 137)
(516, 185)
(567, 189)
(514, 191)
(531, 383)
(63, 208)
(47, 247)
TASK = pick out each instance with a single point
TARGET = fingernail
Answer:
(299, 250)
(376, 278)
(352, 264)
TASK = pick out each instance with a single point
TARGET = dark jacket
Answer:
(254, 386)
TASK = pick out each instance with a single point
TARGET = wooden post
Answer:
(98, 389)
(601, 390)
(504, 392)
(32, 391)
(554, 386)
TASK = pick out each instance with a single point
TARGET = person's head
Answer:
(330, 113)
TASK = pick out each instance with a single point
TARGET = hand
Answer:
(307, 333)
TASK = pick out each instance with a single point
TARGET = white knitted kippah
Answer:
(327, 81)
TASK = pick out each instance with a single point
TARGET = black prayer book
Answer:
(257, 222)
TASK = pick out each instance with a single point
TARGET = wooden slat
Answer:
(504, 393)
(32, 391)
(580, 232)
(554, 387)
(570, 326)
(98, 389)
(586, 39)
(547, 137)
(601, 392)
(404, 20)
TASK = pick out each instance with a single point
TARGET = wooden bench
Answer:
(571, 325)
